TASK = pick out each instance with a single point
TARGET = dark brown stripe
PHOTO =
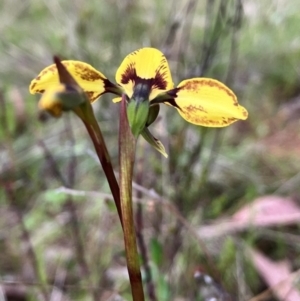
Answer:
(173, 94)
(130, 75)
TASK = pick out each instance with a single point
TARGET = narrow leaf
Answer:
(154, 142)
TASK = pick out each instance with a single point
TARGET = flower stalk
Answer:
(68, 96)
(127, 146)
(104, 158)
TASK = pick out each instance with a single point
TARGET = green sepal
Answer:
(137, 113)
(154, 142)
(71, 99)
(153, 113)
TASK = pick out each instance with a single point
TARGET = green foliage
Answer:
(156, 251)
(227, 260)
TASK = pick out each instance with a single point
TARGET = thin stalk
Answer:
(104, 158)
(127, 145)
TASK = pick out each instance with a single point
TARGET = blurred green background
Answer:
(55, 242)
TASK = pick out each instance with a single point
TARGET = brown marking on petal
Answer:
(32, 86)
(193, 109)
(129, 74)
(108, 85)
(86, 74)
(159, 82)
(91, 95)
(190, 111)
(197, 83)
(228, 120)
(208, 122)
(160, 74)
(51, 68)
(173, 103)
(55, 110)
(173, 92)
(192, 85)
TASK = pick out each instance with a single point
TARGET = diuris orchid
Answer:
(145, 78)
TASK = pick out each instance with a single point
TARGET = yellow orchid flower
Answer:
(65, 95)
(201, 101)
(144, 77)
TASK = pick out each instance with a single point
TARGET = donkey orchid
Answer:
(145, 78)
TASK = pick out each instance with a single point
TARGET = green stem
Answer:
(104, 158)
(127, 144)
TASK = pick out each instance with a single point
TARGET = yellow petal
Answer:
(62, 97)
(148, 66)
(93, 82)
(207, 102)
(50, 101)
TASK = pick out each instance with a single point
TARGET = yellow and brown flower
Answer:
(145, 73)
(144, 76)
